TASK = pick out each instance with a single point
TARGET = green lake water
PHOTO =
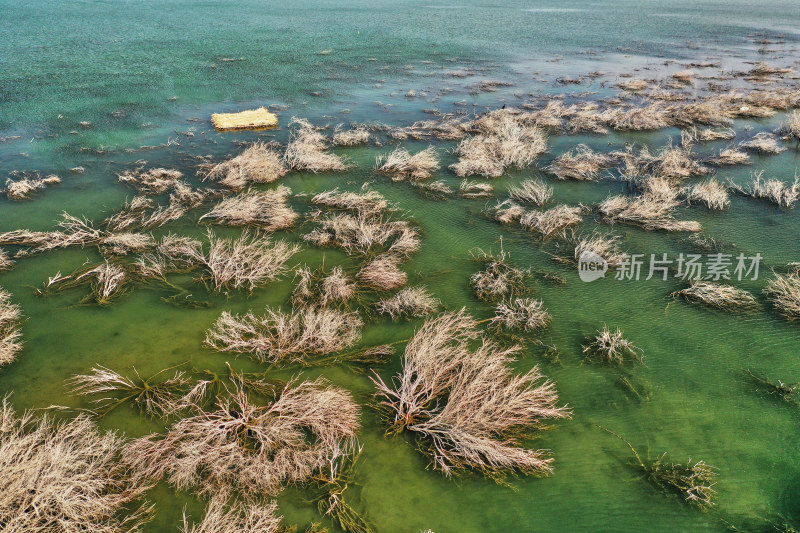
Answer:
(163, 68)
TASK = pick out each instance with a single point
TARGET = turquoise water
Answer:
(161, 68)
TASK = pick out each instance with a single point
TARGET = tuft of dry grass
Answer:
(408, 303)
(247, 262)
(65, 477)
(580, 163)
(277, 337)
(10, 332)
(508, 211)
(505, 142)
(783, 291)
(316, 288)
(718, 296)
(499, 279)
(774, 190)
(368, 203)
(531, 191)
(252, 449)
(362, 233)
(308, 149)
(401, 164)
(6, 263)
(119, 244)
(711, 192)
(475, 189)
(383, 273)
(790, 129)
(611, 347)
(652, 211)
(728, 157)
(606, 246)
(259, 163)
(352, 137)
(525, 314)
(151, 181)
(235, 517)
(552, 221)
(634, 85)
(467, 407)
(30, 184)
(763, 143)
(267, 210)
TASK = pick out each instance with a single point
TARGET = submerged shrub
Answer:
(718, 295)
(259, 163)
(10, 333)
(308, 149)
(552, 221)
(151, 181)
(783, 291)
(401, 164)
(611, 347)
(267, 210)
(711, 193)
(774, 190)
(409, 302)
(524, 314)
(30, 184)
(531, 191)
(499, 279)
(223, 516)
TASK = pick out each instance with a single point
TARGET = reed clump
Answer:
(718, 296)
(383, 273)
(318, 288)
(475, 189)
(552, 221)
(107, 281)
(783, 291)
(255, 450)
(10, 329)
(308, 149)
(774, 190)
(225, 516)
(408, 303)
(151, 181)
(503, 143)
(508, 211)
(467, 407)
(524, 314)
(367, 203)
(400, 164)
(606, 246)
(652, 211)
(6, 263)
(266, 210)
(581, 163)
(65, 476)
(28, 185)
(711, 192)
(611, 347)
(363, 233)
(499, 279)
(729, 157)
(790, 129)
(259, 163)
(763, 143)
(278, 337)
(352, 137)
(531, 191)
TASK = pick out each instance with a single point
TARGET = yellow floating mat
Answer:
(250, 119)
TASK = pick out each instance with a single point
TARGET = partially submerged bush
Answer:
(552, 221)
(580, 163)
(531, 191)
(790, 129)
(252, 449)
(367, 203)
(774, 190)
(267, 210)
(508, 211)
(351, 137)
(718, 295)
(475, 189)
(783, 291)
(107, 281)
(763, 143)
(235, 517)
(401, 164)
(151, 181)
(611, 347)
(499, 280)
(10, 334)
(360, 234)
(30, 184)
(65, 477)
(316, 288)
(467, 406)
(729, 156)
(711, 192)
(525, 314)
(308, 149)
(505, 143)
(408, 303)
(650, 211)
(383, 273)
(259, 163)
(5, 261)
(606, 246)
(278, 337)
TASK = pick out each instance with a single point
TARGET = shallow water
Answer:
(63, 63)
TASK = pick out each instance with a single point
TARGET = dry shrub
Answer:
(763, 143)
(316, 288)
(650, 211)
(107, 280)
(307, 149)
(277, 337)
(5, 261)
(151, 181)
(790, 129)
(504, 143)
(580, 163)
(762, 69)
(267, 210)
(711, 192)
(507, 211)
(552, 221)
(684, 76)
(611, 347)
(236, 517)
(709, 134)
(383, 273)
(65, 477)
(783, 291)
(368, 203)
(634, 85)
(648, 117)
(10, 332)
(401, 164)
(73, 231)
(246, 262)
(29, 185)
(362, 233)
(729, 156)
(499, 279)
(351, 137)
(718, 296)
(252, 449)
(712, 112)
(774, 190)
(475, 189)
(259, 163)
(118, 244)
(467, 406)
(408, 303)
(606, 246)
(524, 314)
